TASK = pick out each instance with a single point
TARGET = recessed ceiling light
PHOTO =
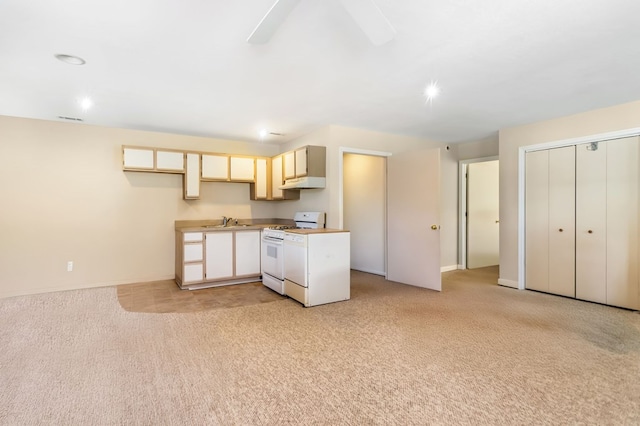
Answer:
(70, 59)
(431, 91)
(85, 103)
(263, 134)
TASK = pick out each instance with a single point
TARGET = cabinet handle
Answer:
(561, 230)
(590, 231)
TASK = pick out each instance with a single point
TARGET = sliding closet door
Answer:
(562, 218)
(622, 223)
(591, 221)
(537, 221)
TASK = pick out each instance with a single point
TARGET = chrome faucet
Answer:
(226, 220)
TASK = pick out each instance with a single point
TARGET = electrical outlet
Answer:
(70, 266)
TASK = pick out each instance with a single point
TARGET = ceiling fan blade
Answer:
(272, 21)
(371, 20)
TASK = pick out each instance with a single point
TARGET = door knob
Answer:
(590, 231)
(561, 230)
(497, 221)
(434, 227)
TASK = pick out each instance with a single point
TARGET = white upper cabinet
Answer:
(265, 175)
(137, 158)
(192, 177)
(308, 160)
(262, 179)
(289, 169)
(276, 177)
(215, 167)
(170, 161)
(301, 162)
(242, 169)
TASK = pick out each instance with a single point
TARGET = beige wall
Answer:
(65, 197)
(479, 149)
(617, 118)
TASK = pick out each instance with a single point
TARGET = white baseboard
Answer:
(508, 283)
(450, 268)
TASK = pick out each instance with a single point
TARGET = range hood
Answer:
(305, 182)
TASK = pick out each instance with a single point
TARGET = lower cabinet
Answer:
(247, 253)
(207, 259)
(219, 255)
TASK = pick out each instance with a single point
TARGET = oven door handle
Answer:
(276, 241)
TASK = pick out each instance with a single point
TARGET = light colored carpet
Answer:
(476, 353)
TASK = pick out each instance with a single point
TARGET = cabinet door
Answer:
(192, 177)
(262, 179)
(215, 167)
(623, 158)
(242, 169)
(192, 273)
(276, 177)
(591, 220)
(537, 221)
(561, 233)
(137, 158)
(301, 162)
(170, 161)
(218, 255)
(289, 167)
(247, 252)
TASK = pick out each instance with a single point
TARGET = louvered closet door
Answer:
(623, 158)
(591, 220)
(562, 182)
(537, 221)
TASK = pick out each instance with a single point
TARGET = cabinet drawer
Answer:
(193, 252)
(192, 236)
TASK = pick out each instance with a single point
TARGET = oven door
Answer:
(272, 258)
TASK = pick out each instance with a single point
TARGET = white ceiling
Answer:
(185, 66)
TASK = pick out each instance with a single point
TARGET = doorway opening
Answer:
(479, 222)
(364, 209)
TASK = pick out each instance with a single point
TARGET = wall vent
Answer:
(70, 118)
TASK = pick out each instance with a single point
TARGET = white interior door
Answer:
(623, 159)
(562, 214)
(413, 208)
(483, 228)
(537, 220)
(591, 222)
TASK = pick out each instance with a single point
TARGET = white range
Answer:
(272, 259)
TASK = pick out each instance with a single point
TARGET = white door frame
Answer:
(463, 167)
(521, 184)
